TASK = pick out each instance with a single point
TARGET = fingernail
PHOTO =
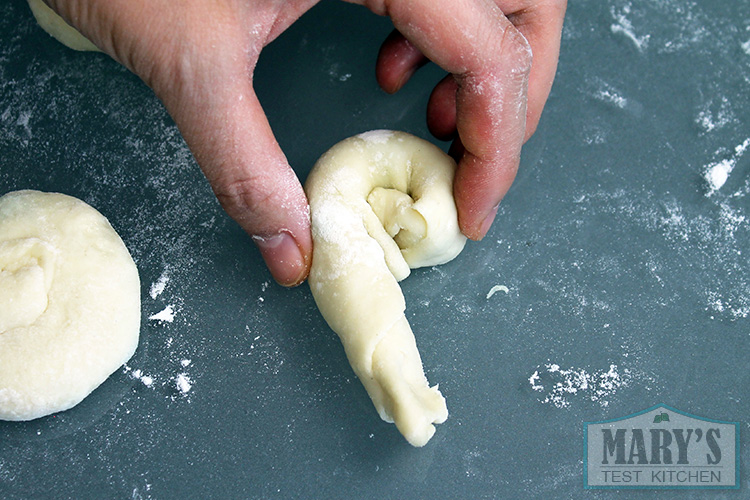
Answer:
(487, 222)
(283, 258)
(402, 81)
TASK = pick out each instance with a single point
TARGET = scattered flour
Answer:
(559, 385)
(623, 26)
(731, 220)
(714, 116)
(182, 381)
(616, 99)
(138, 374)
(709, 238)
(609, 94)
(669, 26)
(737, 306)
(533, 381)
(335, 73)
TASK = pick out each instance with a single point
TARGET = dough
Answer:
(56, 26)
(69, 303)
(381, 203)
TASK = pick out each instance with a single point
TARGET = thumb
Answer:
(230, 136)
(199, 60)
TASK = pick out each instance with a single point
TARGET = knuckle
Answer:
(379, 7)
(241, 199)
(516, 50)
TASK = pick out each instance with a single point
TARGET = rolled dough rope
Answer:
(381, 203)
(56, 26)
(70, 308)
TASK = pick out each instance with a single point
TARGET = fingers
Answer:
(490, 61)
(491, 123)
(397, 61)
(441, 109)
(233, 142)
(199, 60)
(541, 23)
(215, 107)
(493, 101)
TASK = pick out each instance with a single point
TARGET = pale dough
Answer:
(69, 303)
(382, 203)
(56, 26)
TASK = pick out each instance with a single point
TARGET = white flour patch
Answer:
(608, 96)
(174, 383)
(607, 93)
(183, 383)
(559, 386)
(669, 26)
(167, 315)
(623, 26)
(157, 287)
(534, 381)
(556, 478)
(594, 134)
(717, 173)
(138, 374)
(464, 309)
(23, 122)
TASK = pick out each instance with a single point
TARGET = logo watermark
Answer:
(661, 447)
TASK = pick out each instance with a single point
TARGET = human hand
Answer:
(199, 59)
(492, 101)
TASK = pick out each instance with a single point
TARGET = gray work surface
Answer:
(626, 270)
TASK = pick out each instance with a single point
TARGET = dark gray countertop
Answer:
(627, 271)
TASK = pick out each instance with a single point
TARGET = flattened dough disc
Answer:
(70, 310)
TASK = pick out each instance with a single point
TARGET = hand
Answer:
(492, 101)
(199, 59)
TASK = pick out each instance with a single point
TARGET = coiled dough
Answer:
(381, 203)
(70, 309)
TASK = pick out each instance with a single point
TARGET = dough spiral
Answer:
(381, 203)
(70, 309)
